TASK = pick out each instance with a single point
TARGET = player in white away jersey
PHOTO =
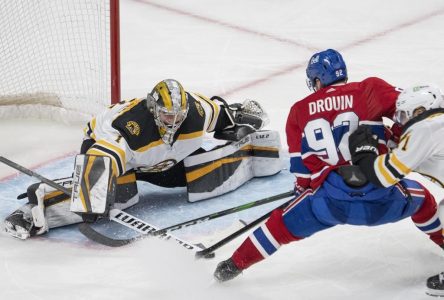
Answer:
(420, 110)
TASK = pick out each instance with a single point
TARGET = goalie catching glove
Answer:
(245, 118)
(250, 113)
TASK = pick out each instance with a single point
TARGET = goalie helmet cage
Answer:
(59, 59)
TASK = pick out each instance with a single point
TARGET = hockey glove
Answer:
(362, 143)
(240, 119)
(250, 113)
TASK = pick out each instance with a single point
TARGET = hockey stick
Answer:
(135, 224)
(224, 212)
(116, 215)
(88, 231)
(226, 240)
(35, 175)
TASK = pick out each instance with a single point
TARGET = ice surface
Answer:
(237, 49)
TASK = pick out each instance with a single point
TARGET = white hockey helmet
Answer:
(168, 102)
(419, 96)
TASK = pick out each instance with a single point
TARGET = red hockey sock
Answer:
(427, 219)
(263, 242)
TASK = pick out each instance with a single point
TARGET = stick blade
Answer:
(97, 237)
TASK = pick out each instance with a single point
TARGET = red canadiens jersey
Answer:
(318, 126)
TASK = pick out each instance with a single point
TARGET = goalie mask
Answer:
(413, 98)
(169, 104)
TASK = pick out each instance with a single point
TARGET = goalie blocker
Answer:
(94, 187)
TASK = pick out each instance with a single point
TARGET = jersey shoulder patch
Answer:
(137, 126)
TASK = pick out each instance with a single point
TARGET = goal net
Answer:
(59, 59)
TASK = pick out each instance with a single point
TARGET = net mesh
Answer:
(55, 53)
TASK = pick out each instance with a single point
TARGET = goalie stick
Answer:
(33, 174)
(111, 242)
(116, 215)
(135, 224)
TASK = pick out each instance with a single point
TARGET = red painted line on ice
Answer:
(398, 27)
(356, 43)
(293, 67)
(278, 73)
(273, 75)
(227, 25)
(39, 165)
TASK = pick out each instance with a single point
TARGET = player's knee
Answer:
(427, 209)
(278, 229)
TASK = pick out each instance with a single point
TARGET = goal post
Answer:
(58, 57)
(115, 50)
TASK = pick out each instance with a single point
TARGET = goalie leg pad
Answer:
(31, 218)
(224, 169)
(49, 208)
(57, 205)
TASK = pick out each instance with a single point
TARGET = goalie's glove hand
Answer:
(362, 143)
(20, 224)
(249, 113)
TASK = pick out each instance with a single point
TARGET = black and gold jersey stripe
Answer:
(117, 155)
(388, 169)
(215, 109)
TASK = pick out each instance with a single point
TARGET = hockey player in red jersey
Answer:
(329, 190)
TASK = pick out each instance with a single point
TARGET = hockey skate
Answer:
(19, 224)
(435, 285)
(226, 270)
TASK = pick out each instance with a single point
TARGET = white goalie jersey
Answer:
(421, 149)
(127, 133)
